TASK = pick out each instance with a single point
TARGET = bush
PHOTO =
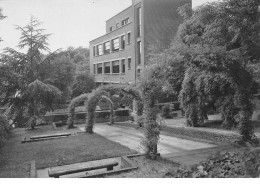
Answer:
(227, 165)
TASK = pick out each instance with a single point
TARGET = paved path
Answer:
(131, 138)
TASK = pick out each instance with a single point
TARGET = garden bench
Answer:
(50, 136)
(57, 172)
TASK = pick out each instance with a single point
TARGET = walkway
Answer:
(131, 138)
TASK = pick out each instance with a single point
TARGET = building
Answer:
(120, 55)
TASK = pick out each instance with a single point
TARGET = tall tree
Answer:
(23, 81)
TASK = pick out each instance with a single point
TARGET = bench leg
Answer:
(110, 168)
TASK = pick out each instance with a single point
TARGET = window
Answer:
(123, 65)
(115, 44)
(139, 21)
(94, 68)
(99, 68)
(128, 38)
(107, 67)
(117, 25)
(126, 21)
(99, 50)
(123, 42)
(129, 63)
(115, 65)
(138, 73)
(111, 28)
(139, 52)
(94, 51)
(107, 47)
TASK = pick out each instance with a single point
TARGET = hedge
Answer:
(98, 114)
(201, 134)
(194, 133)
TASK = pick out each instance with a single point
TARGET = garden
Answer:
(211, 67)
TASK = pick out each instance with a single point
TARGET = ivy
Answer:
(73, 104)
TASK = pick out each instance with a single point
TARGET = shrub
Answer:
(227, 165)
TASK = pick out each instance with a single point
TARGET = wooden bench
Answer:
(50, 136)
(57, 172)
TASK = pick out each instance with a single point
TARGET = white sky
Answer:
(71, 22)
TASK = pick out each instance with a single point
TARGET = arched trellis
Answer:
(106, 92)
(73, 104)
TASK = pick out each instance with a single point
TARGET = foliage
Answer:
(227, 165)
(169, 67)
(73, 104)
(231, 24)
(60, 72)
(92, 102)
(218, 78)
(23, 80)
(4, 129)
(84, 83)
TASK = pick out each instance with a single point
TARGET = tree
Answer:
(84, 83)
(60, 72)
(27, 92)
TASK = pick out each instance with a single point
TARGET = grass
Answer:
(148, 168)
(14, 156)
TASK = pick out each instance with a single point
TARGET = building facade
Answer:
(120, 55)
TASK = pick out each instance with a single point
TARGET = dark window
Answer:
(129, 63)
(94, 69)
(139, 21)
(94, 51)
(123, 65)
(115, 44)
(117, 25)
(99, 68)
(111, 29)
(107, 67)
(138, 73)
(126, 21)
(107, 47)
(115, 65)
(99, 50)
(139, 52)
(123, 42)
(128, 38)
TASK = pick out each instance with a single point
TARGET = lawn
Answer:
(14, 156)
(148, 168)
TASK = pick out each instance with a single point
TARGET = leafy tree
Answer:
(84, 83)
(23, 80)
(61, 73)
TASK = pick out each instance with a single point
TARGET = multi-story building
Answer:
(120, 55)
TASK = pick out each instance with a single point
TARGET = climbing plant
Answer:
(215, 76)
(73, 104)
(105, 92)
(92, 102)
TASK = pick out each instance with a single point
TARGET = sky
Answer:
(71, 22)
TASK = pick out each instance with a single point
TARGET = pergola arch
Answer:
(73, 104)
(106, 92)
